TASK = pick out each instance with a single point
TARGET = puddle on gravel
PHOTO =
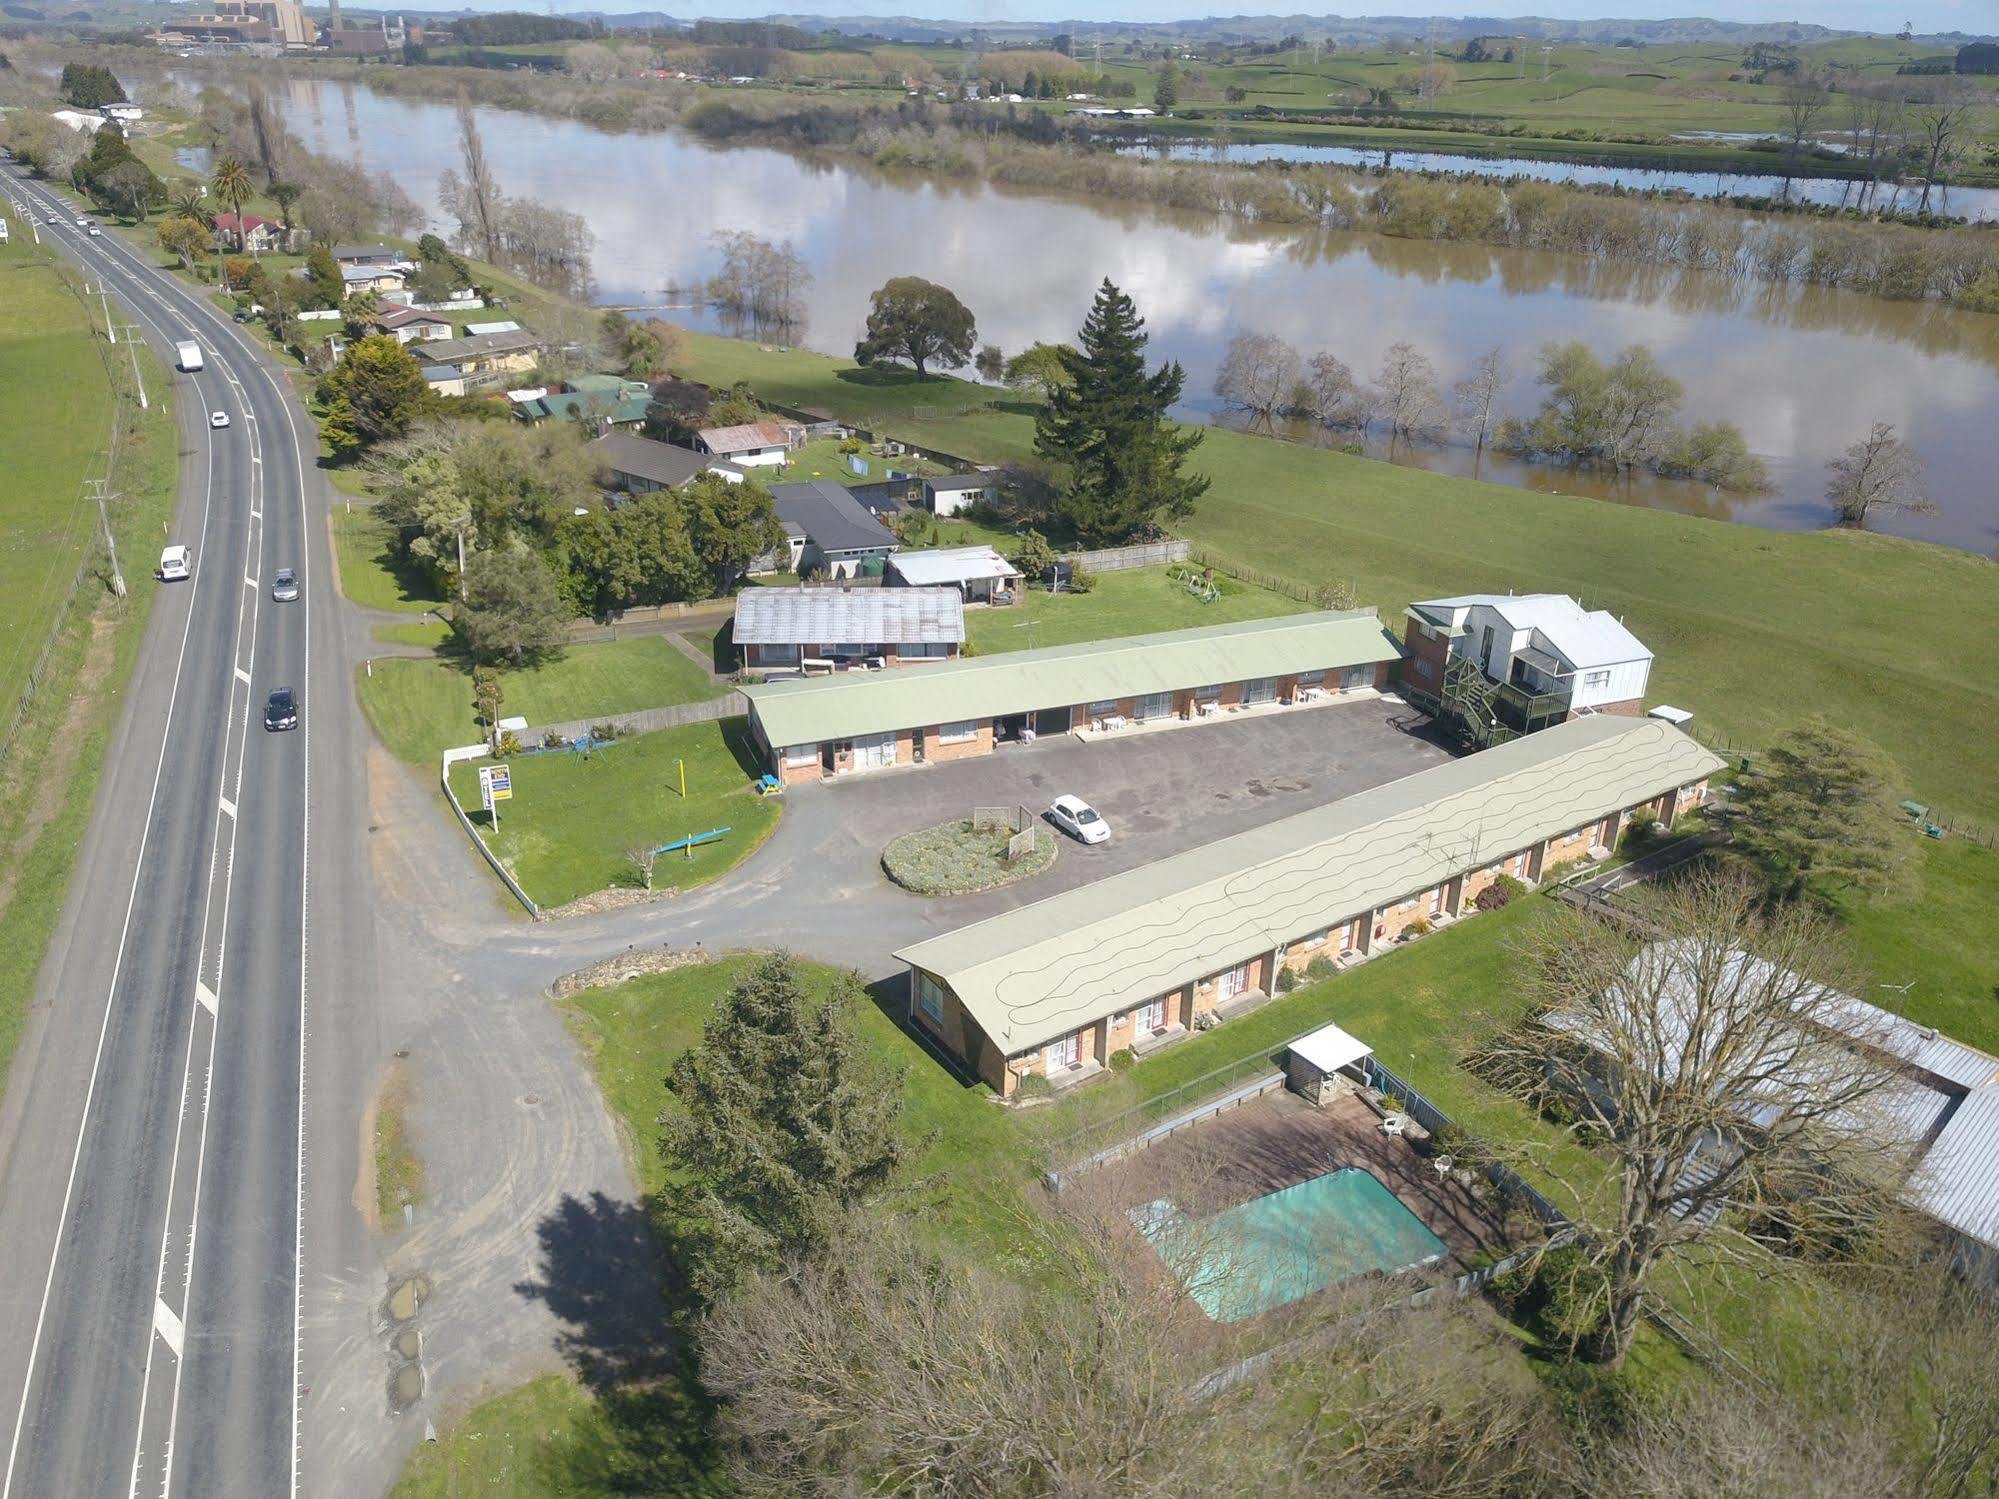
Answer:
(408, 1343)
(405, 1388)
(406, 1297)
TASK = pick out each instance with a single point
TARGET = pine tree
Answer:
(1109, 426)
(782, 1125)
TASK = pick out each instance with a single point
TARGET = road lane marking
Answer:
(248, 581)
(204, 996)
(167, 1325)
(229, 807)
(242, 676)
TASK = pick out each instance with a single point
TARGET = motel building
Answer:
(836, 725)
(1143, 958)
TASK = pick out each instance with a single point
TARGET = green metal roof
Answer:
(854, 703)
(1043, 970)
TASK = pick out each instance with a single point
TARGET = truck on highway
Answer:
(188, 355)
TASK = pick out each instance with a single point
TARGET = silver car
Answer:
(284, 587)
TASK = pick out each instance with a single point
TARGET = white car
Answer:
(218, 418)
(55, 218)
(95, 232)
(82, 222)
(1079, 820)
(176, 563)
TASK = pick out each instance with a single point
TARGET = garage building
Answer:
(836, 725)
(1135, 961)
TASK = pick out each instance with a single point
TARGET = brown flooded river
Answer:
(1803, 372)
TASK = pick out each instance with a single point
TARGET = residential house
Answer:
(1501, 664)
(765, 444)
(444, 379)
(1939, 1107)
(831, 726)
(504, 325)
(355, 279)
(828, 628)
(376, 255)
(603, 400)
(1058, 987)
(949, 493)
(829, 530)
(408, 325)
(639, 465)
(124, 114)
(258, 236)
(487, 359)
(979, 574)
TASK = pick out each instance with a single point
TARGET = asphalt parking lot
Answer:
(1162, 793)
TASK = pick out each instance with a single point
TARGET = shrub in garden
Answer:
(1123, 1059)
(1032, 1085)
(1287, 980)
(1321, 967)
(1500, 894)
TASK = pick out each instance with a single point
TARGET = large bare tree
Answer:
(1875, 476)
(1805, 99)
(1478, 391)
(1713, 1065)
(1257, 373)
(481, 198)
(1406, 394)
(1942, 112)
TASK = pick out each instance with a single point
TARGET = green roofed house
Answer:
(1137, 960)
(604, 399)
(857, 721)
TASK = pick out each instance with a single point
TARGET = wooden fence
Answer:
(1140, 554)
(731, 704)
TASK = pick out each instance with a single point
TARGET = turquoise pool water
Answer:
(1274, 1249)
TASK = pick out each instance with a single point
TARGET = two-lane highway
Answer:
(153, 1156)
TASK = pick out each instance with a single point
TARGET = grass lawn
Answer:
(1943, 939)
(372, 573)
(821, 458)
(55, 420)
(1137, 602)
(52, 433)
(422, 707)
(545, 1438)
(1742, 621)
(566, 831)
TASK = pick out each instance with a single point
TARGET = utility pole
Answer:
(461, 557)
(131, 347)
(94, 489)
(104, 296)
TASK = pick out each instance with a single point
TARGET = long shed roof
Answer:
(821, 708)
(867, 616)
(1042, 970)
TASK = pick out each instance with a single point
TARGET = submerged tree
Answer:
(1257, 373)
(1109, 427)
(1875, 476)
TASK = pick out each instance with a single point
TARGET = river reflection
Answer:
(1802, 371)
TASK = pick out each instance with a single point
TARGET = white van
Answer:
(176, 562)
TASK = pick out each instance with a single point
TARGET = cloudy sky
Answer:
(1858, 15)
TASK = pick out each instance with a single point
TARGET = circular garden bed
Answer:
(955, 858)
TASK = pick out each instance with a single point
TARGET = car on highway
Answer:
(55, 218)
(95, 232)
(82, 222)
(218, 418)
(176, 563)
(284, 587)
(281, 710)
(1079, 820)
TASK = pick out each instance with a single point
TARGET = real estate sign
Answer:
(496, 784)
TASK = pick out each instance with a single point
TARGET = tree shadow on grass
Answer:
(606, 1275)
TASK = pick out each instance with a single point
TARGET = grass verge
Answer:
(49, 780)
(1135, 602)
(398, 1168)
(422, 707)
(568, 829)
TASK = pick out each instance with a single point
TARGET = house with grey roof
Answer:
(1936, 1108)
(1057, 987)
(639, 465)
(830, 531)
(861, 721)
(836, 628)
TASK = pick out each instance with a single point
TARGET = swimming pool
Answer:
(1274, 1249)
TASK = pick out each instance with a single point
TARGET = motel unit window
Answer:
(1152, 1016)
(1103, 706)
(787, 654)
(1425, 667)
(1209, 693)
(801, 754)
(1310, 678)
(916, 649)
(1407, 905)
(1596, 679)
(930, 995)
(1065, 1053)
(959, 732)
